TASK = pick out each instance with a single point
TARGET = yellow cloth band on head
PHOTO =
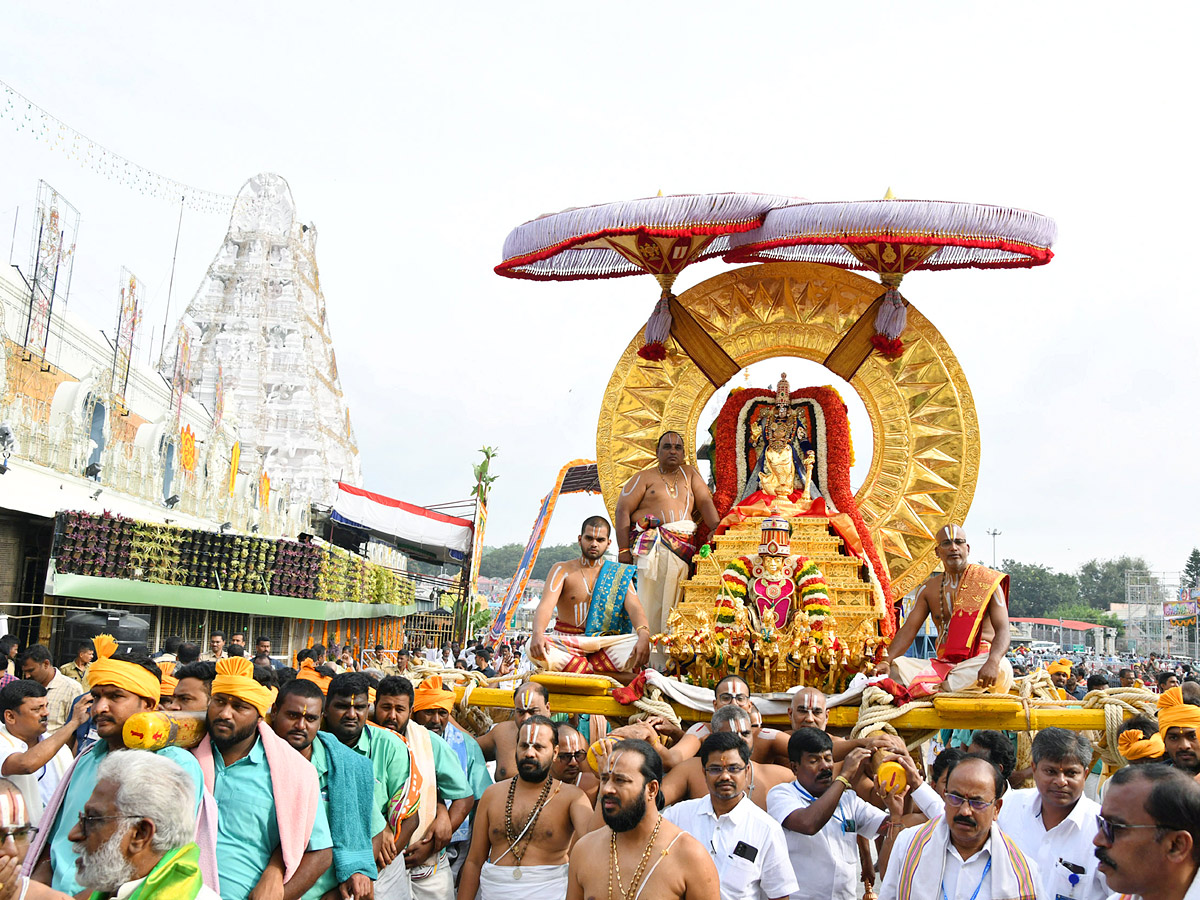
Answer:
(431, 695)
(235, 677)
(308, 672)
(1063, 665)
(169, 683)
(118, 673)
(1134, 745)
(1174, 713)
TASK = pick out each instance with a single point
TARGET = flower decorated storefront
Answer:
(193, 582)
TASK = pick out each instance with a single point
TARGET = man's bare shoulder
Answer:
(775, 774)
(568, 793)
(593, 842)
(496, 789)
(685, 847)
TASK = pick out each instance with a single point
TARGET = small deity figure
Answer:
(774, 584)
(784, 457)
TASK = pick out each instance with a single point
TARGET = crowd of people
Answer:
(324, 782)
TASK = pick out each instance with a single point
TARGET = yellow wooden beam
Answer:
(1013, 719)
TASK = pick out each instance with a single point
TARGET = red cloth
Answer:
(632, 691)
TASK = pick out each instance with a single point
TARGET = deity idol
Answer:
(774, 584)
(781, 440)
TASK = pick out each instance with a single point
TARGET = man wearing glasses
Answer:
(570, 762)
(1054, 823)
(745, 843)
(969, 606)
(963, 854)
(689, 779)
(1148, 836)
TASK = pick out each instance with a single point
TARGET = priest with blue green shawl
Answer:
(601, 627)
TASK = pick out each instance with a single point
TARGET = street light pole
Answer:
(994, 533)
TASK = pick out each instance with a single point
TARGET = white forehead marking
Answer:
(572, 741)
(528, 731)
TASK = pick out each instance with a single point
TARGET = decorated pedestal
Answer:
(714, 632)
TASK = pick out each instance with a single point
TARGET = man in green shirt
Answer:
(346, 705)
(343, 775)
(425, 855)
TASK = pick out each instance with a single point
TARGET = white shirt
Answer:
(37, 787)
(732, 839)
(828, 860)
(959, 877)
(1070, 841)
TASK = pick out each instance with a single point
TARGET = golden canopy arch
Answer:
(925, 462)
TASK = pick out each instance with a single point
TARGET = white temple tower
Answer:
(258, 322)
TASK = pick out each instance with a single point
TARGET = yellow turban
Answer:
(308, 672)
(1173, 712)
(169, 683)
(431, 695)
(119, 673)
(235, 677)
(1133, 746)
(1063, 665)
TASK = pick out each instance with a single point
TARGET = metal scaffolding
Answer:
(1146, 629)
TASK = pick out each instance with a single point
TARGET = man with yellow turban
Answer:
(1139, 741)
(1177, 724)
(121, 686)
(1060, 674)
(272, 830)
(432, 705)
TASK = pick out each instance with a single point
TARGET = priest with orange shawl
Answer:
(969, 606)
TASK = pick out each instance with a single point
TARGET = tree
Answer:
(1191, 570)
(502, 562)
(484, 480)
(1102, 581)
(1035, 590)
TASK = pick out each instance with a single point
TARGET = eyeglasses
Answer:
(718, 771)
(1111, 829)
(85, 822)
(733, 698)
(18, 831)
(978, 805)
(577, 756)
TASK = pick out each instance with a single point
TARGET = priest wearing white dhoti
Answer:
(962, 855)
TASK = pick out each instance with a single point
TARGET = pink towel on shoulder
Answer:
(294, 784)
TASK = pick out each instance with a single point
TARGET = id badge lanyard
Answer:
(848, 825)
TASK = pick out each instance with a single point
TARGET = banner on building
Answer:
(52, 254)
(129, 315)
(1178, 609)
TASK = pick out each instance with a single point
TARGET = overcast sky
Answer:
(415, 136)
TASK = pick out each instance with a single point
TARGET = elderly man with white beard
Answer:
(134, 836)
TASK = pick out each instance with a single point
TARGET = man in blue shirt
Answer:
(257, 780)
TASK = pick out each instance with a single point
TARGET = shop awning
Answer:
(424, 534)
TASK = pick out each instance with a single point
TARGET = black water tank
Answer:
(131, 632)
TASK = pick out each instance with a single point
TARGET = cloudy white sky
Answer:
(415, 136)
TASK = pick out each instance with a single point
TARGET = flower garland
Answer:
(832, 434)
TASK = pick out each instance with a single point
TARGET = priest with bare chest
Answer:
(969, 606)
(600, 626)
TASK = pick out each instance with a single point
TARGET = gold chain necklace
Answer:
(525, 833)
(615, 868)
(672, 489)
